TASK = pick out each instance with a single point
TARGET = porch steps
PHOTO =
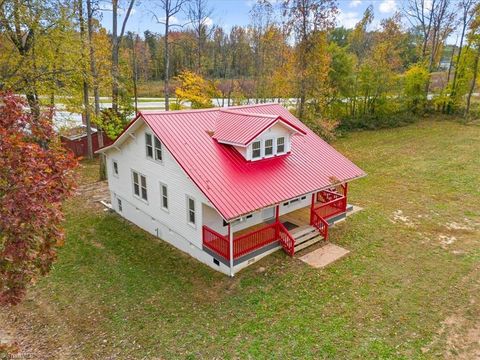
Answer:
(305, 236)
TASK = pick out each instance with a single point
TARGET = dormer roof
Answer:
(240, 128)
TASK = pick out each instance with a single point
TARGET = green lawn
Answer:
(409, 289)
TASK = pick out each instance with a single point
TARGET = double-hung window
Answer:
(268, 147)
(190, 210)
(280, 145)
(164, 196)
(256, 149)
(115, 168)
(140, 185)
(153, 147)
(158, 149)
(149, 146)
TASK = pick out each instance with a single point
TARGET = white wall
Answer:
(171, 225)
(276, 131)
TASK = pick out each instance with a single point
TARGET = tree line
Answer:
(365, 77)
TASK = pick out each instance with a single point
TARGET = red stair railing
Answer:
(287, 241)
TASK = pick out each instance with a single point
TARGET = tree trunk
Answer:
(115, 49)
(455, 74)
(86, 102)
(474, 81)
(167, 65)
(33, 103)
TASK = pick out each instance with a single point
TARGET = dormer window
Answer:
(254, 135)
(256, 149)
(280, 145)
(268, 147)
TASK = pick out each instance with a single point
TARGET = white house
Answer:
(224, 185)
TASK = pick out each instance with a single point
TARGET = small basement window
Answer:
(256, 149)
(119, 205)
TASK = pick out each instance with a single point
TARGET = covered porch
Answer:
(292, 230)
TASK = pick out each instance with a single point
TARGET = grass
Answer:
(404, 292)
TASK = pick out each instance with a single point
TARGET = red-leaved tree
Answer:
(36, 175)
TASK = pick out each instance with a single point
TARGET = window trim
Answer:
(140, 187)
(116, 174)
(194, 224)
(162, 196)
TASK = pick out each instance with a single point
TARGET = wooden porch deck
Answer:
(298, 217)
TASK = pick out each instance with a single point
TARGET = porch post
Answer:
(312, 206)
(277, 212)
(345, 191)
(230, 241)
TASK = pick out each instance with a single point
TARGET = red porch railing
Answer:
(216, 242)
(331, 208)
(249, 242)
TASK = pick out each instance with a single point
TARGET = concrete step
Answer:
(308, 243)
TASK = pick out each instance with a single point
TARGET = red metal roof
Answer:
(240, 128)
(236, 186)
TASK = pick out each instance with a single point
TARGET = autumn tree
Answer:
(116, 42)
(29, 64)
(35, 177)
(193, 88)
(308, 22)
(168, 8)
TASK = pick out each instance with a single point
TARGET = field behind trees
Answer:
(408, 289)
(380, 73)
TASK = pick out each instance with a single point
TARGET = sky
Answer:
(228, 13)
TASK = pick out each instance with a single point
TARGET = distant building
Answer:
(75, 140)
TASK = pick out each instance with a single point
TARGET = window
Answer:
(190, 210)
(140, 185)
(256, 149)
(164, 195)
(280, 145)
(115, 168)
(119, 203)
(269, 147)
(148, 145)
(158, 149)
(242, 219)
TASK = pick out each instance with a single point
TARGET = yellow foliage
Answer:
(195, 89)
